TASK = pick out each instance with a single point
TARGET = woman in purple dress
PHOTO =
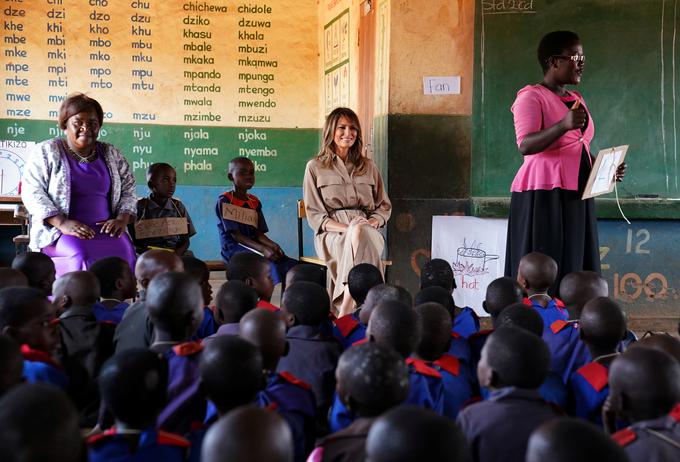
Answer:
(80, 193)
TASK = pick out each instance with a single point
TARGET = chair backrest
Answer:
(301, 214)
(301, 209)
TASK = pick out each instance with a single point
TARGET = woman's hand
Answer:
(75, 228)
(620, 172)
(374, 222)
(114, 227)
(358, 221)
(575, 118)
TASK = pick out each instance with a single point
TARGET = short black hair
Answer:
(236, 160)
(382, 293)
(234, 299)
(521, 315)
(552, 44)
(438, 295)
(579, 287)
(245, 265)
(18, 305)
(37, 267)
(360, 280)
(437, 272)
(308, 302)
(539, 270)
(436, 330)
(395, 325)
(602, 323)
(411, 434)
(11, 364)
(108, 270)
(154, 168)
(374, 376)
(231, 372)
(133, 385)
(306, 272)
(500, 293)
(517, 357)
(10, 277)
(169, 298)
(75, 103)
(196, 268)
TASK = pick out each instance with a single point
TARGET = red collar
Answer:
(252, 201)
(38, 356)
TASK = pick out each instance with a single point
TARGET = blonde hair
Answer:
(325, 155)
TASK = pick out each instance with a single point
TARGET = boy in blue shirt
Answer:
(536, 274)
(199, 271)
(117, 285)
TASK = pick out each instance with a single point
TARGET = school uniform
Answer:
(588, 390)
(148, 445)
(346, 445)
(476, 342)
(348, 330)
(41, 367)
(230, 329)
(499, 428)
(208, 326)
(656, 440)
(458, 384)
(230, 246)
(553, 311)
(265, 305)
(148, 209)
(135, 330)
(466, 322)
(113, 314)
(567, 351)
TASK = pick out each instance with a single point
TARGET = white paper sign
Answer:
(449, 85)
(13, 155)
(475, 249)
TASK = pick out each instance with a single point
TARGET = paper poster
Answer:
(601, 179)
(475, 249)
(161, 227)
(13, 155)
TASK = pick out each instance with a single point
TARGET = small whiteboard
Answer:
(602, 176)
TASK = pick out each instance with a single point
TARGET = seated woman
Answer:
(80, 193)
(346, 203)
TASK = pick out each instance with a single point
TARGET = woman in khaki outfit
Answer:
(346, 203)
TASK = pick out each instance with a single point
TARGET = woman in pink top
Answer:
(554, 129)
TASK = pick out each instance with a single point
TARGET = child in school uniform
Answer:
(198, 270)
(536, 274)
(11, 364)
(255, 271)
(38, 268)
(161, 179)
(133, 386)
(117, 285)
(234, 299)
(245, 230)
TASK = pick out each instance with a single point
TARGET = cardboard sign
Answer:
(240, 214)
(161, 227)
(603, 175)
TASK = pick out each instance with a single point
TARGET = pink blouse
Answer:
(535, 109)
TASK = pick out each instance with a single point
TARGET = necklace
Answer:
(82, 159)
(542, 294)
(611, 355)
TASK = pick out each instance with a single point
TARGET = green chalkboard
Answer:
(631, 84)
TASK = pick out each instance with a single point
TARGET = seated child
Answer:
(569, 440)
(660, 342)
(117, 285)
(248, 434)
(11, 364)
(536, 274)
(135, 330)
(28, 317)
(85, 342)
(133, 386)
(438, 273)
(255, 271)
(513, 365)
(161, 179)
(311, 357)
(291, 397)
(408, 434)
(10, 277)
(371, 380)
(233, 301)
(362, 278)
(645, 391)
(198, 270)
(306, 272)
(175, 306)
(580, 287)
(383, 293)
(431, 351)
(38, 268)
(39, 423)
(602, 328)
(247, 231)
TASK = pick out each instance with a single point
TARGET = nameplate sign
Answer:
(161, 227)
(240, 214)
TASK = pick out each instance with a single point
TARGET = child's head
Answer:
(661, 342)
(537, 272)
(396, 326)
(361, 279)
(28, 317)
(133, 386)
(266, 330)
(248, 434)
(38, 268)
(39, 423)
(77, 288)
(409, 434)
(161, 179)
(602, 325)
(306, 304)
(231, 372)
(254, 270)
(233, 301)
(115, 278)
(513, 357)
(381, 293)
(154, 262)
(435, 339)
(439, 295)
(500, 293)
(10, 277)
(371, 379)
(175, 305)
(437, 272)
(242, 173)
(568, 439)
(11, 364)
(644, 384)
(306, 272)
(520, 315)
(198, 270)
(578, 288)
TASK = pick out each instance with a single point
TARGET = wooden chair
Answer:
(21, 241)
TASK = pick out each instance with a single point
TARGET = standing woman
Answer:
(80, 193)
(554, 129)
(346, 203)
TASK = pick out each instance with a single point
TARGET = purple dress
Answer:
(90, 188)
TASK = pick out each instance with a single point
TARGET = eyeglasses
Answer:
(90, 124)
(576, 58)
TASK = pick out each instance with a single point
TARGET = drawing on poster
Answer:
(13, 155)
(472, 259)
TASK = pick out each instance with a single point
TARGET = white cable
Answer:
(616, 191)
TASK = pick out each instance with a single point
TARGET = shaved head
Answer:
(579, 287)
(154, 262)
(537, 271)
(81, 288)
